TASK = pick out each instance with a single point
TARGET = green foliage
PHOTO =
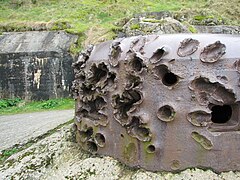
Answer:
(192, 29)
(152, 20)
(200, 18)
(49, 104)
(60, 25)
(75, 48)
(34, 1)
(17, 3)
(78, 16)
(9, 152)
(135, 26)
(5, 103)
(52, 104)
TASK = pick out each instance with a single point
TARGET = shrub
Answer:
(4, 103)
(49, 104)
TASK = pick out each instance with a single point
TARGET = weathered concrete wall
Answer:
(35, 65)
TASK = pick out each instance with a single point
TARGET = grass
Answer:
(36, 106)
(102, 17)
(4, 103)
(83, 14)
(135, 26)
(9, 152)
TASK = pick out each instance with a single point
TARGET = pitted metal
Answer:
(161, 102)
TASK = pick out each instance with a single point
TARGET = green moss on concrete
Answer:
(135, 26)
(152, 20)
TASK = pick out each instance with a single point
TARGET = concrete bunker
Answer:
(36, 65)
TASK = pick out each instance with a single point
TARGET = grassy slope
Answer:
(97, 18)
(84, 14)
(54, 104)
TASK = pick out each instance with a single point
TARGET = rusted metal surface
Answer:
(165, 102)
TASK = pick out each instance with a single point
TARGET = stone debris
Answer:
(59, 157)
(164, 22)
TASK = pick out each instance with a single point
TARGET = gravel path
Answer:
(20, 128)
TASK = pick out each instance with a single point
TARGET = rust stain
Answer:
(144, 104)
(202, 140)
